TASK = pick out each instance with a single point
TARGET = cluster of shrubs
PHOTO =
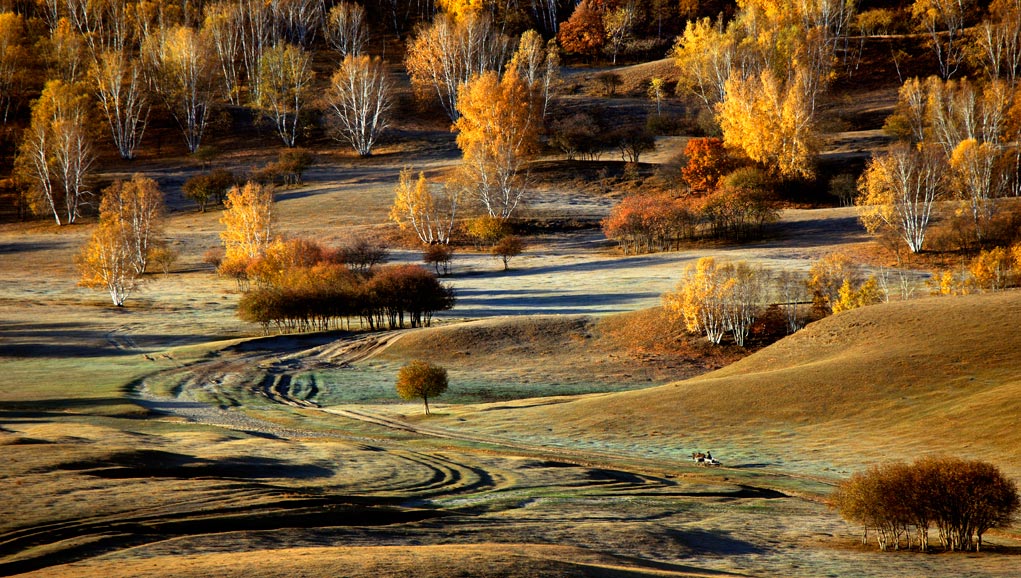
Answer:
(211, 187)
(991, 270)
(299, 285)
(961, 498)
(661, 222)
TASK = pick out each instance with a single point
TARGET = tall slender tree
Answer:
(360, 97)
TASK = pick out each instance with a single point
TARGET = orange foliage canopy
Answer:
(708, 161)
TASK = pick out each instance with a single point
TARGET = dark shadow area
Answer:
(713, 542)
(161, 464)
(31, 245)
(39, 408)
(514, 302)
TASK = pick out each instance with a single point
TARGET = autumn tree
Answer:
(826, 278)
(507, 248)
(618, 25)
(705, 57)
(421, 379)
(700, 299)
(426, 212)
(998, 40)
(773, 122)
(247, 221)
(962, 498)
(498, 128)
(657, 92)
(139, 208)
(707, 162)
(224, 26)
(744, 300)
(14, 55)
(716, 298)
(538, 62)
(439, 256)
(208, 187)
(945, 21)
(899, 190)
(56, 155)
(360, 96)
(180, 69)
(447, 53)
(106, 262)
(121, 92)
(67, 53)
(346, 29)
(583, 33)
(286, 83)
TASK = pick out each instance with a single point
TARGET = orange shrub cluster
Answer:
(302, 286)
(644, 223)
(961, 498)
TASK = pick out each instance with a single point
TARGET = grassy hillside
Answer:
(893, 380)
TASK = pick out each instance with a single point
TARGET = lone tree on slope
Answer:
(421, 379)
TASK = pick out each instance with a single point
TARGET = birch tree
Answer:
(120, 90)
(247, 221)
(447, 53)
(998, 40)
(13, 57)
(945, 21)
(497, 132)
(223, 26)
(180, 67)
(700, 299)
(417, 207)
(57, 153)
(139, 208)
(360, 97)
(106, 262)
(346, 29)
(899, 191)
(286, 83)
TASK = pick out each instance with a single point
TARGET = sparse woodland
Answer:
(118, 116)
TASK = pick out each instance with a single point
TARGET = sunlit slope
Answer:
(934, 374)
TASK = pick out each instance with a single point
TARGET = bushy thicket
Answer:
(645, 223)
(961, 498)
(301, 286)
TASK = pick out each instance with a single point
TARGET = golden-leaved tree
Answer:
(248, 224)
(138, 204)
(126, 239)
(449, 52)
(181, 70)
(120, 90)
(773, 122)
(428, 214)
(360, 96)
(56, 155)
(107, 262)
(285, 73)
(498, 130)
(714, 298)
(899, 191)
(14, 55)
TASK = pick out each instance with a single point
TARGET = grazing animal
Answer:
(698, 457)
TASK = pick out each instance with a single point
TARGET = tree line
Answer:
(300, 285)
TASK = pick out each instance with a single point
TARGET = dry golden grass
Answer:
(893, 380)
(480, 560)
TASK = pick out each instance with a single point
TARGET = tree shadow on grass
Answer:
(519, 301)
(713, 542)
(11, 411)
(161, 464)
